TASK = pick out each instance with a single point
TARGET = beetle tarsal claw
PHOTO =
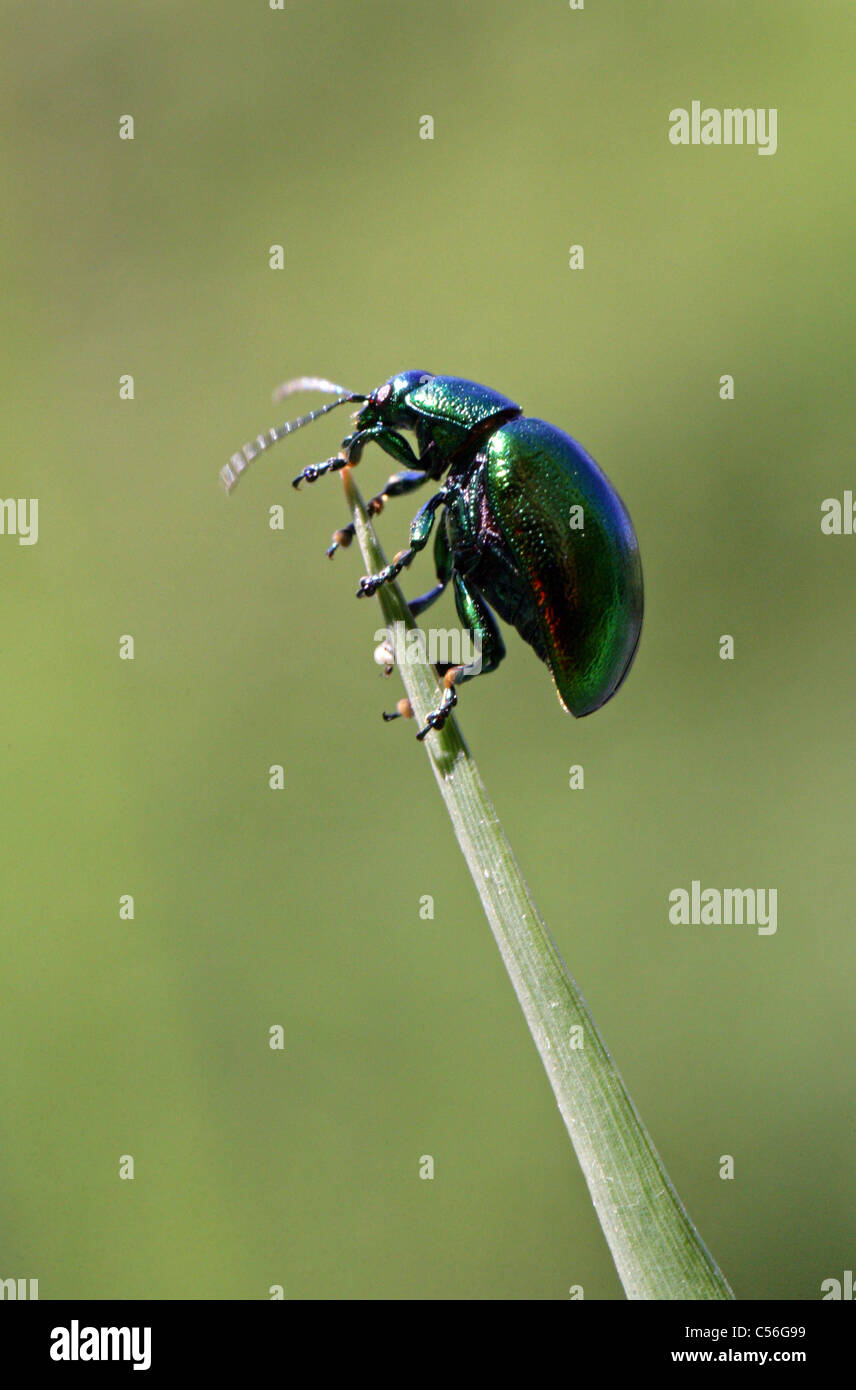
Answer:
(340, 538)
(403, 710)
(437, 718)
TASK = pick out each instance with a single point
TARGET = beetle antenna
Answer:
(313, 383)
(238, 462)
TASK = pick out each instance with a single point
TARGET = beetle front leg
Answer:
(313, 471)
(389, 440)
(351, 449)
(420, 531)
(490, 650)
(349, 453)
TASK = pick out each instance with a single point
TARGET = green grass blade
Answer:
(657, 1251)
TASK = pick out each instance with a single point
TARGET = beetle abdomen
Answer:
(575, 548)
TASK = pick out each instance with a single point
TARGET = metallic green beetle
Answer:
(528, 525)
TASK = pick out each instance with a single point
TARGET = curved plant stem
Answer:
(657, 1251)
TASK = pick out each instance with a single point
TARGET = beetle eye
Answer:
(382, 393)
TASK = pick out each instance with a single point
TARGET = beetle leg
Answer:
(317, 470)
(351, 450)
(418, 605)
(420, 531)
(396, 486)
(399, 484)
(437, 718)
(490, 650)
(389, 440)
(403, 710)
(393, 444)
(443, 566)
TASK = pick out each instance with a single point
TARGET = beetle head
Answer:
(389, 404)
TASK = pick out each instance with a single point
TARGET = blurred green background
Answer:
(301, 908)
